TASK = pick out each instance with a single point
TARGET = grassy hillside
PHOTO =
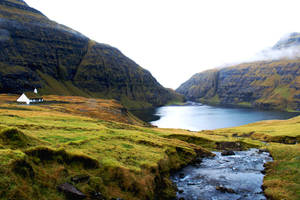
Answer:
(45, 145)
(271, 84)
(265, 84)
(39, 53)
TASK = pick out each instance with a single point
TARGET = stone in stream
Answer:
(263, 151)
(71, 192)
(181, 175)
(224, 189)
(227, 153)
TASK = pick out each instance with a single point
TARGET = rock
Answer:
(71, 192)
(181, 175)
(80, 178)
(227, 153)
(116, 199)
(181, 198)
(180, 191)
(97, 196)
(197, 161)
(224, 189)
(236, 146)
(263, 151)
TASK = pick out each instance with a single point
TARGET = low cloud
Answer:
(292, 52)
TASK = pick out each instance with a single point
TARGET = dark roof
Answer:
(32, 95)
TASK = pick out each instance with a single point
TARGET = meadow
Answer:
(45, 145)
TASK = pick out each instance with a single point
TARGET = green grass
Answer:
(50, 146)
(55, 146)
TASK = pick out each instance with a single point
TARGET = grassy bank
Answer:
(45, 145)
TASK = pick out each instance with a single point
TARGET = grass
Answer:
(50, 146)
(263, 84)
(45, 145)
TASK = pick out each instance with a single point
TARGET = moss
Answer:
(45, 154)
(15, 138)
(264, 84)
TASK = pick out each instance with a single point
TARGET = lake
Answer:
(196, 116)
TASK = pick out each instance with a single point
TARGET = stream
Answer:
(235, 177)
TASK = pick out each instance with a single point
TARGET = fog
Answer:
(175, 39)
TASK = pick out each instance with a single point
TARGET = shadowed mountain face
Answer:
(37, 52)
(273, 84)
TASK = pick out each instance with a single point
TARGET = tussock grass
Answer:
(125, 160)
(54, 142)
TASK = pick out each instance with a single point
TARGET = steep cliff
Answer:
(271, 84)
(37, 52)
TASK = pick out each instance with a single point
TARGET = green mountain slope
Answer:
(37, 52)
(271, 84)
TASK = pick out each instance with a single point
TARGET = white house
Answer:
(30, 97)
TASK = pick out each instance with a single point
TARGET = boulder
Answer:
(224, 189)
(227, 153)
(181, 175)
(97, 196)
(71, 191)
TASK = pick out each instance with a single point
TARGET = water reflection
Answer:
(197, 117)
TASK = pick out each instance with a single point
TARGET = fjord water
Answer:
(196, 116)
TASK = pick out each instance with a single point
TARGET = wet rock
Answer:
(263, 151)
(181, 198)
(71, 192)
(229, 146)
(80, 178)
(180, 191)
(97, 196)
(197, 161)
(227, 153)
(181, 175)
(116, 199)
(224, 189)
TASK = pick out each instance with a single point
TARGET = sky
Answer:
(175, 39)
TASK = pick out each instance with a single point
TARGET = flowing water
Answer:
(236, 177)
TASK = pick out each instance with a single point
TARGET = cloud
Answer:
(292, 52)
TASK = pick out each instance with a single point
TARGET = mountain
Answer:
(271, 84)
(38, 52)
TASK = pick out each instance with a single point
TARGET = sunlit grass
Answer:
(129, 156)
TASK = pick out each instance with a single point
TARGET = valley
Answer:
(43, 146)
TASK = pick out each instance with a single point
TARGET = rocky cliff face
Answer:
(265, 84)
(37, 52)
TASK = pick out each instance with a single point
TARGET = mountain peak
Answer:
(290, 40)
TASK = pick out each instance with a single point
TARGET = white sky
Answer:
(175, 39)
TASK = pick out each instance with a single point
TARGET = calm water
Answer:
(196, 117)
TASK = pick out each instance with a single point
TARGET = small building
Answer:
(30, 97)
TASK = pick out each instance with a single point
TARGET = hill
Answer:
(38, 52)
(46, 145)
(273, 84)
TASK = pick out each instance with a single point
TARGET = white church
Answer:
(30, 97)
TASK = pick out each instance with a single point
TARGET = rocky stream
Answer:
(224, 177)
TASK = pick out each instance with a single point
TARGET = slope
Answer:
(273, 84)
(37, 52)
